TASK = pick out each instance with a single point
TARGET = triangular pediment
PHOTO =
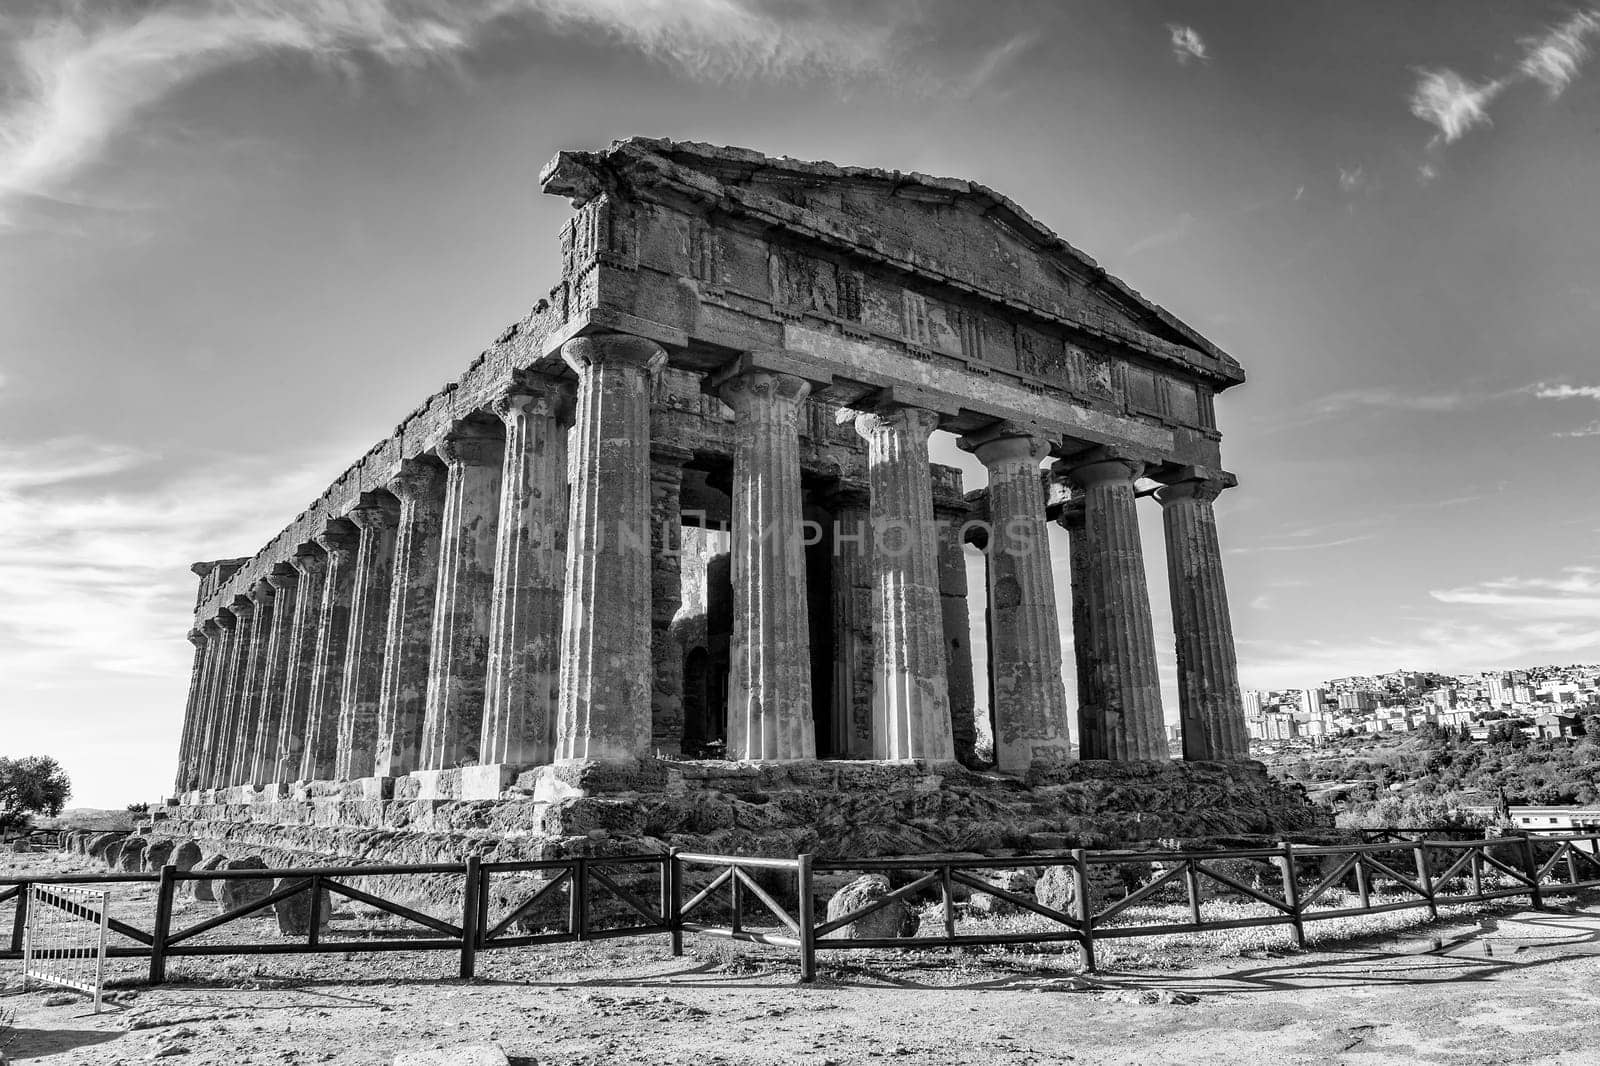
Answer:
(948, 229)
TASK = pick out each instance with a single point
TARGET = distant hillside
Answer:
(87, 818)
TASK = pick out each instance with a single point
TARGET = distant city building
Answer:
(1252, 704)
(1312, 699)
(1357, 700)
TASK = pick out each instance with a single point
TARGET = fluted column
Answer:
(458, 665)
(375, 519)
(210, 683)
(193, 711)
(524, 667)
(1122, 637)
(264, 754)
(666, 596)
(769, 673)
(1091, 707)
(311, 567)
(604, 709)
(231, 706)
(403, 691)
(910, 697)
(853, 616)
(1030, 701)
(340, 540)
(241, 760)
(957, 631)
(1211, 706)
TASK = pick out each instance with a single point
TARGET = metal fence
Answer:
(64, 939)
(773, 901)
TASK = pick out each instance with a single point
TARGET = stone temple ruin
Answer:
(669, 561)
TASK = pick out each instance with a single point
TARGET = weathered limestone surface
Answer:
(459, 648)
(1121, 634)
(1025, 643)
(285, 583)
(524, 666)
(240, 765)
(311, 568)
(667, 547)
(403, 695)
(957, 629)
(231, 698)
(340, 541)
(854, 613)
(193, 711)
(769, 701)
(369, 618)
(911, 701)
(1211, 705)
(604, 710)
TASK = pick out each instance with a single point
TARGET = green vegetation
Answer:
(1431, 776)
(33, 784)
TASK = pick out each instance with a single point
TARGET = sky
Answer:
(240, 238)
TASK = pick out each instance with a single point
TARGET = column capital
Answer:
(415, 479)
(241, 608)
(613, 349)
(261, 593)
(210, 629)
(339, 538)
(375, 512)
(917, 420)
(310, 561)
(534, 396)
(197, 638)
(282, 577)
(1101, 465)
(670, 455)
(1205, 487)
(470, 444)
(1005, 444)
(749, 390)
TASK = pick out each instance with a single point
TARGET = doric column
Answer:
(403, 693)
(375, 519)
(957, 630)
(210, 683)
(853, 616)
(1211, 707)
(339, 540)
(1091, 707)
(1122, 637)
(1025, 653)
(769, 682)
(311, 567)
(666, 596)
(457, 668)
(242, 761)
(604, 710)
(285, 584)
(232, 702)
(193, 712)
(524, 667)
(910, 698)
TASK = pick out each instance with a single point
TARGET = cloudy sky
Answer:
(239, 238)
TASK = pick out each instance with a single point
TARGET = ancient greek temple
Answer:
(685, 508)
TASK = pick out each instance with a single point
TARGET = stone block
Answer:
(130, 853)
(460, 1055)
(487, 782)
(233, 893)
(207, 890)
(895, 919)
(294, 913)
(157, 853)
(1018, 882)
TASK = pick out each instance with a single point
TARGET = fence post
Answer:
(674, 875)
(1425, 877)
(1363, 885)
(580, 889)
(805, 912)
(469, 917)
(1291, 894)
(1530, 862)
(163, 927)
(26, 937)
(314, 911)
(947, 890)
(19, 919)
(1083, 909)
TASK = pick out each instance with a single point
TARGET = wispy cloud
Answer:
(1555, 58)
(1575, 594)
(1590, 430)
(1565, 392)
(1352, 179)
(995, 61)
(83, 74)
(1187, 44)
(1445, 99)
(1455, 105)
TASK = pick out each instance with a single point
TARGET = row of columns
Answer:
(473, 613)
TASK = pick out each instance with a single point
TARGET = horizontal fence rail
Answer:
(773, 901)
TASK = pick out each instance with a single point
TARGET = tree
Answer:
(33, 784)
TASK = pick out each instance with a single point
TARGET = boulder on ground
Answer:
(130, 855)
(186, 854)
(294, 913)
(236, 892)
(1018, 882)
(894, 919)
(1057, 889)
(207, 890)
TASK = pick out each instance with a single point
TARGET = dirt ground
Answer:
(1504, 987)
